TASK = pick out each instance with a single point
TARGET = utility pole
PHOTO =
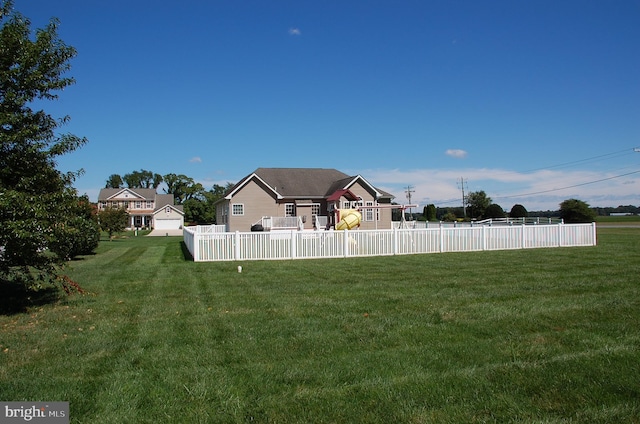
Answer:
(408, 191)
(461, 183)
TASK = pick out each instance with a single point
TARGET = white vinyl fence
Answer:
(220, 246)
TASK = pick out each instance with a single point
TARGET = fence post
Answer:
(560, 235)
(594, 234)
(395, 240)
(294, 244)
(236, 252)
(196, 245)
(523, 237)
(441, 238)
(484, 237)
(345, 243)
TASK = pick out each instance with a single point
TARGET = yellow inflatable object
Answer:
(349, 219)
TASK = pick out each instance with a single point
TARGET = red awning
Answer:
(342, 193)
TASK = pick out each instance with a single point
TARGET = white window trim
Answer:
(233, 209)
(369, 213)
(287, 212)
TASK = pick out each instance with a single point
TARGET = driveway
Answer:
(165, 233)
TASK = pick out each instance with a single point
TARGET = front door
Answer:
(138, 221)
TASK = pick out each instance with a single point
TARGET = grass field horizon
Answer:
(539, 335)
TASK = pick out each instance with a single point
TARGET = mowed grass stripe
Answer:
(545, 335)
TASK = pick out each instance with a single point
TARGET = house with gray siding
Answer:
(307, 196)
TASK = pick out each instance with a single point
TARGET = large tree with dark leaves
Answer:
(575, 211)
(42, 221)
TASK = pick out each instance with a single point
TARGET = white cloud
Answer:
(294, 31)
(456, 153)
(196, 159)
(540, 190)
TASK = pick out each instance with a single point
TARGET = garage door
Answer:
(167, 224)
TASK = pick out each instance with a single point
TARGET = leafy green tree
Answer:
(576, 211)
(219, 190)
(114, 181)
(518, 211)
(142, 179)
(80, 235)
(430, 212)
(449, 216)
(494, 211)
(201, 208)
(477, 204)
(180, 186)
(39, 215)
(194, 191)
(198, 212)
(113, 220)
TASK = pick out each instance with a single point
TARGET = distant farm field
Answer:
(629, 219)
(543, 335)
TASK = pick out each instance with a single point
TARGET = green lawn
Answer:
(627, 219)
(545, 335)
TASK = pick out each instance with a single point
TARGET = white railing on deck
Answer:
(221, 246)
(281, 223)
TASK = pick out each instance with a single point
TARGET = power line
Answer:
(618, 153)
(571, 186)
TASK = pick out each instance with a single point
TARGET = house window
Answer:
(315, 209)
(237, 209)
(138, 204)
(351, 205)
(369, 213)
(149, 204)
(289, 209)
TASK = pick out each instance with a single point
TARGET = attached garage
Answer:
(169, 217)
(168, 224)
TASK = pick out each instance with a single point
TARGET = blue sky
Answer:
(533, 102)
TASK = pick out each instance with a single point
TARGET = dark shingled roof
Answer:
(306, 182)
(161, 200)
(147, 193)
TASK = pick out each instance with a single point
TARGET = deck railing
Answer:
(209, 246)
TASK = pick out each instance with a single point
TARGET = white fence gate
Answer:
(205, 245)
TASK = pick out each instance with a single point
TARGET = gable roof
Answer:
(308, 183)
(177, 208)
(163, 200)
(297, 182)
(233, 190)
(143, 193)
